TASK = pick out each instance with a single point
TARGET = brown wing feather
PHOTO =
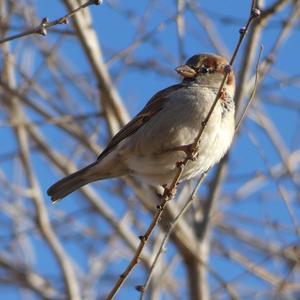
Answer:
(154, 105)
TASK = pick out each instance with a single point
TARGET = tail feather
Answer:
(70, 183)
(106, 167)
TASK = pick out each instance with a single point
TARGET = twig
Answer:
(143, 239)
(110, 100)
(45, 23)
(252, 94)
(281, 191)
(146, 36)
(209, 28)
(169, 191)
(180, 26)
(41, 217)
(143, 288)
(54, 120)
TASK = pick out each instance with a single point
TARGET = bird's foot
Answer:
(190, 150)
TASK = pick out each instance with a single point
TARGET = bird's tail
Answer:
(70, 183)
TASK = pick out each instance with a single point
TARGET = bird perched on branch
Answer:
(163, 133)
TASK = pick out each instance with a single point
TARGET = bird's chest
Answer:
(185, 115)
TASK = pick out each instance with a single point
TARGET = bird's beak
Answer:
(186, 71)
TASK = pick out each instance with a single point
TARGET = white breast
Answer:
(177, 124)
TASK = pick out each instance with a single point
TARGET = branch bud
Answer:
(140, 288)
(255, 12)
(227, 69)
(242, 30)
(42, 28)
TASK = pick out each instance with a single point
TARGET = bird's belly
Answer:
(160, 168)
(151, 152)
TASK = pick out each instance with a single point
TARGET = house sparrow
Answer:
(159, 136)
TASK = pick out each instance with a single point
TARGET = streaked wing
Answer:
(155, 104)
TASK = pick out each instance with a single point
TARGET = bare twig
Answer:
(41, 217)
(143, 288)
(55, 120)
(180, 29)
(239, 122)
(281, 190)
(45, 23)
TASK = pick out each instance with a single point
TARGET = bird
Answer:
(160, 135)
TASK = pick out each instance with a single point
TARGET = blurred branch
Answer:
(260, 180)
(259, 271)
(28, 279)
(42, 221)
(115, 112)
(209, 28)
(56, 120)
(67, 92)
(180, 29)
(281, 191)
(241, 119)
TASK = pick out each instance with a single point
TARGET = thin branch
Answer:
(180, 26)
(41, 217)
(55, 120)
(143, 288)
(252, 94)
(281, 191)
(45, 23)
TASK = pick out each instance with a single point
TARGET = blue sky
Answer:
(116, 31)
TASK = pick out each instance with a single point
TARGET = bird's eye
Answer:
(204, 70)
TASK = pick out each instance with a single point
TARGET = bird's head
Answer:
(207, 70)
